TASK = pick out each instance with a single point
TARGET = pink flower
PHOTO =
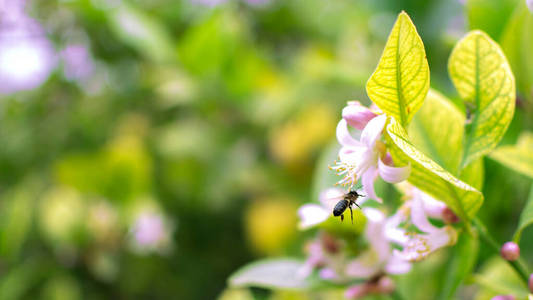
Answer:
(363, 159)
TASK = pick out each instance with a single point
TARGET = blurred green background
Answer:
(149, 148)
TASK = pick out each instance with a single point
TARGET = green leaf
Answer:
(516, 42)
(143, 33)
(526, 217)
(270, 273)
(474, 174)
(497, 277)
(430, 177)
(517, 157)
(464, 258)
(483, 78)
(401, 80)
(437, 131)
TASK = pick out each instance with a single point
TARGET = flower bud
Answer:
(503, 297)
(386, 285)
(448, 216)
(510, 251)
(357, 115)
(530, 283)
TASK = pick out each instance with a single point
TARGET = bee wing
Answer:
(331, 196)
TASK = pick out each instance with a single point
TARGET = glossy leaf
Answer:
(483, 78)
(270, 273)
(401, 80)
(437, 131)
(430, 177)
(518, 157)
(526, 217)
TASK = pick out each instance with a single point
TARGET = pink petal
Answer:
(343, 135)
(434, 208)
(372, 131)
(393, 174)
(311, 215)
(357, 115)
(368, 178)
(351, 154)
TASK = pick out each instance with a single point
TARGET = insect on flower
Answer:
(348, 201)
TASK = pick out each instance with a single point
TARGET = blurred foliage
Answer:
(202, 125)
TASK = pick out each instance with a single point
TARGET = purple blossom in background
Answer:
(77, 62)
(26, 55)
(210, 3)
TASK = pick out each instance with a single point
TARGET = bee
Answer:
(348, 201)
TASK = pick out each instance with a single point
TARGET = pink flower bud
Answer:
(530, 283)
(510, 251)
(503, 297)
(448, 216)
(386, 285)
(357, 115)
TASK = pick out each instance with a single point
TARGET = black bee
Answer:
(347, 202)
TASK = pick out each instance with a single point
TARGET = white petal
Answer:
(364, 266)
(311, 215)
(397, 264)
(418, 214)
(393, 174)
(352, 155)
(343, 135)
(393, 232)
(368, 183)
(375, 233)
(434, 208)
(372, 131)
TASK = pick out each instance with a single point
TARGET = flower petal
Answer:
(372, 131)
(364, 266)
(433, 207)
(393, 174)
(343, 135)
(375, 234)
(418, 214)
(368, 178)
(357, 115)
(397, 264)
(311, 215)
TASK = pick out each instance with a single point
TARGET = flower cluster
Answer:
(393, 242)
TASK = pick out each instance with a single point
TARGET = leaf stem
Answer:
(519, 267)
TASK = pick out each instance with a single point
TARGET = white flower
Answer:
(420, 245)
(379, 257)
(363, 159)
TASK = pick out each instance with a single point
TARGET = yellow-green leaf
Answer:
(401, 80)
(518, 157)
(526, 217)
(437, 131)
(483, 78)
(430, 177)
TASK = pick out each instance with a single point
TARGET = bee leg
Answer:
(351, 214)
(342, 217)
(357, 205)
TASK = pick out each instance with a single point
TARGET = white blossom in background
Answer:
(26, 55)
(529, 4)
(151, 232)
(77, 62)
(366, 158)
